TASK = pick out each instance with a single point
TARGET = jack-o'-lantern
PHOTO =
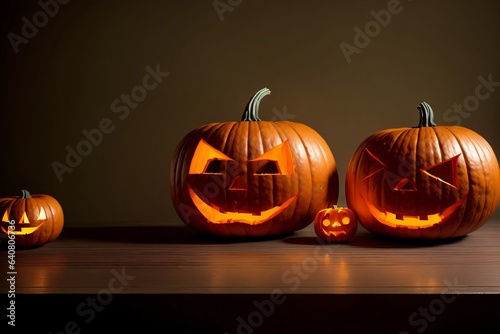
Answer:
(425, 182)
(335, 224)
(34, 220)
(252, 177)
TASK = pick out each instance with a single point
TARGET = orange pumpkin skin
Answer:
(335, 224)
(426, 182)
(241, 195)
(37, 219)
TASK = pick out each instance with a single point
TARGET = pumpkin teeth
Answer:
(413, 222)
(220, 216)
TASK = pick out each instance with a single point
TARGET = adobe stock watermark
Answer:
(372, 29)
(30, 28)
(121, 107)
(222, 6)
(483, 91)
(292, 278)
(215, 184)
(421, 318)
(87, 310)
(11, 274)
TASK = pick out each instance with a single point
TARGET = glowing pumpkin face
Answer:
(335, 224)
(405, 192)
(232, 203)
(34, 220)
(252, 178)
(23, 226)
(428, 182)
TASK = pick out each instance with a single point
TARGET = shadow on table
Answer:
(154, 235)
(365, 239)
(186, 235)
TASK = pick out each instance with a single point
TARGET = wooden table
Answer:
(199, 282)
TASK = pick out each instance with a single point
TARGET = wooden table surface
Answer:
(175, 259)
(173, 280)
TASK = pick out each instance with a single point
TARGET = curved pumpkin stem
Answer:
(252, 109)
(25, 194)
(426, 115)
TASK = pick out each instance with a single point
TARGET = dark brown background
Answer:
(64, 80)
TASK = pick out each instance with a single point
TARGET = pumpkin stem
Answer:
(426, 115)
(252, 109)
(25, 194)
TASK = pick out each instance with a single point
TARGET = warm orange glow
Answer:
(214, 215)
(42, 215)
(327, 223)
(411, 221)
(282, 155)
(203, 155)
(25, 221)
(346, 220)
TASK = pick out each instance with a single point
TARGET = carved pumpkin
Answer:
(335, 224)
(425, 182)
(33, 219)
(253, 177)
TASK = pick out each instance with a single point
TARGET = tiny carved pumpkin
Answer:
(335, 224)
(33, 219)
(253, 177)
(425, 182)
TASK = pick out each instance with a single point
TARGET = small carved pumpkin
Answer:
(33, 219)
(253, 177)
(335, 224)
(425, 182)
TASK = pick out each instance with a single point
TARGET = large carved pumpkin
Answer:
(34, 220)
(428, 182)
(253, 177)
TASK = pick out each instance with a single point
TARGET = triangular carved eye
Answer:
(207, 159)
(375, 165)
(269, 167)
(5, 217)
(445, 171)
(277, 160)
(42, 215)
(24, 219)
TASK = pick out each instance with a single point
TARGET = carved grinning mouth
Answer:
(326, 223)
(411, 221)
(23, 231)
(217, 215)
(335, 233)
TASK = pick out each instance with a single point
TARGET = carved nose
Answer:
(405, 185)
(239, 183)
(336, 224)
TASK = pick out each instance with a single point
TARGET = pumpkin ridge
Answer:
(466, 159)
(262, 149)
(485, 211)
(280, 131)
(440, 141)
(311, 176)
(228, 130)
(486, 194)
